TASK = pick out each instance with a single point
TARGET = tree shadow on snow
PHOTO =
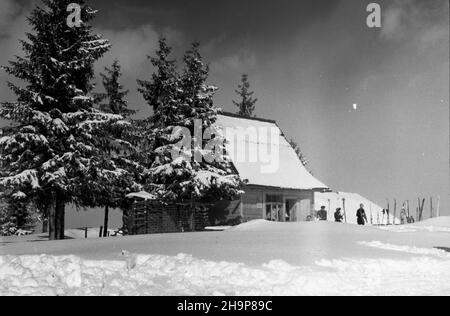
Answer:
(35, 239)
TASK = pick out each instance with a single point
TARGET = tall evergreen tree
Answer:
(246, 105)
(113, 193)
(197, 95)
(59, 140)
(163, 84)
(16, 213)
(187, 98)
(115, 93)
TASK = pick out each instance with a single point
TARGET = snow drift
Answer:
(437, 224)
(255, 258)
(185, 275)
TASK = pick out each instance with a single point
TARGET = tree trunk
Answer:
(45, 226)
(60, 218)
(407, 203)
(431, 207)
(105, 224)
(52, 221)
(438, 206)
(395, 210)
(45, 220)
(345, 212)
(45, 212)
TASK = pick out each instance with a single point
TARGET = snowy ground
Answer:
(256, 258)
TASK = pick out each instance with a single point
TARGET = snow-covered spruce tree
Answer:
(15, 213)
(246, 105)
(8, 224)
(161, 93)
(184, 99)
(115, 93)
(15, 210)
(107, 193)
(160, 90)
(197, 96)
(59, 140)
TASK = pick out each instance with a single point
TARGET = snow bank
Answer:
(443, 222)
(142, 195)
(186, 275)
(414, 250)
(80, 233)
(437, 224)
(217, 228)
(258, 224)
(262, 225)
(255, 258)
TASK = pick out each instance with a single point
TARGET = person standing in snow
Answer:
(361, 215)
(322, 214)
(403, 217)
(338, 217)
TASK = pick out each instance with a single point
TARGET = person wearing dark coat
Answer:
(338, 217)
(361, 215)
(322, 214)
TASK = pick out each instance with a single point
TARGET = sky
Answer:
(309, 62)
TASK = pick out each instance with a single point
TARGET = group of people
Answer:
(361, 216)
(405, 218)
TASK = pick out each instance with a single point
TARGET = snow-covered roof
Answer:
(141, 195)
(289, 172)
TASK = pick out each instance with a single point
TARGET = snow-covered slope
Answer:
(80, 233)
(255, 258)
(439, 224)
(186, 275)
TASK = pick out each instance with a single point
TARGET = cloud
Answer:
(243, 61)
(8, 10)
(131, 47)
(423, 23)
(13, 26)
(392, 22)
